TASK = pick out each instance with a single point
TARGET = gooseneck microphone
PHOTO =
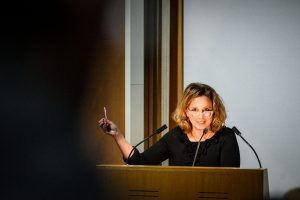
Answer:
(196, 154)
(159, 130)
(240, 134)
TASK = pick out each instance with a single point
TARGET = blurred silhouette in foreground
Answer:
(45, 51)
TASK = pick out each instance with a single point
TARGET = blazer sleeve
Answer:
(154, 155)
(230, 153)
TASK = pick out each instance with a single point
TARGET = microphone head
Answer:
(236, 131)
(162, 128)
(205, 131)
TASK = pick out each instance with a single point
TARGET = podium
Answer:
(182, 183)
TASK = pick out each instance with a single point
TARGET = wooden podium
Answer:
(184, 183)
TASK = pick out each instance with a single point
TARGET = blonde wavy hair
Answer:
(192, 91)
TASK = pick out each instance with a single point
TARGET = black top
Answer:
(221, 150)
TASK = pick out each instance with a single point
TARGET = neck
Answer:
(197, 134)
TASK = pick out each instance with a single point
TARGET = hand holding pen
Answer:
(108, 126)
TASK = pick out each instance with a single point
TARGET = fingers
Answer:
(104, 124)
(108, 126)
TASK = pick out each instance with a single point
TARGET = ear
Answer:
(187, 114)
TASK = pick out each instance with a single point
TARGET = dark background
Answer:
(46, 48)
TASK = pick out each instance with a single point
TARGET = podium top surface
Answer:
(179, 168)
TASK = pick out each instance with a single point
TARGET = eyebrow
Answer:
(204, 109)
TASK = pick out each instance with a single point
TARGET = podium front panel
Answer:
(168, 182)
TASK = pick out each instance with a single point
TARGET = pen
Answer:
(105, 112)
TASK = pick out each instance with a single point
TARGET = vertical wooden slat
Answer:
(152, 68)
(176, 54)
(153, 30)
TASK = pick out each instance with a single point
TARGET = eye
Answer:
(194, 109)
(207, 109)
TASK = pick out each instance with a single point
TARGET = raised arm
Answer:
(111, 129)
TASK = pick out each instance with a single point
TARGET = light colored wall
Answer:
(249, 52)
(134, 72)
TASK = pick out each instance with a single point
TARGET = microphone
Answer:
(159, 130)
(240, 134)
(204, 132)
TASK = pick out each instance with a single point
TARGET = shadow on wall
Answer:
(293, 194)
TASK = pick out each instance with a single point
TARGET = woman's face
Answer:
(200, 113)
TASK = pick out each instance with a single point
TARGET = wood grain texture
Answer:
(165, 182)
(106, 84)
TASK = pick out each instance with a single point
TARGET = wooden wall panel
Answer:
(176, 55)
(106, 84)
(152, 69)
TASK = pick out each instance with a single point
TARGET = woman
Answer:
(200, 115)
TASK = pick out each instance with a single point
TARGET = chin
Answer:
(201, 127)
